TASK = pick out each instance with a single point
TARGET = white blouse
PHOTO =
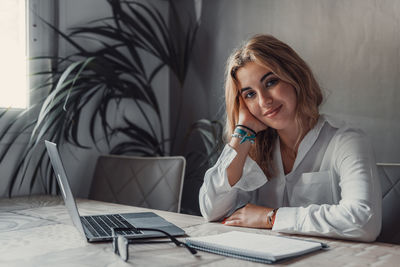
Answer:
(333, 189)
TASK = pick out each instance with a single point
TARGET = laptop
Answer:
(98, 227)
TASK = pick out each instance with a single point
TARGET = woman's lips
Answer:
(272, 113)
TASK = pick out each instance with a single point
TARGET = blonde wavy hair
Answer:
(285, 63)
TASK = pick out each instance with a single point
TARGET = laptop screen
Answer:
(64, 185)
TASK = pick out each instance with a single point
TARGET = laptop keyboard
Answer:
(100, 225)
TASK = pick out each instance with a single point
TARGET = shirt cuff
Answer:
(252, 176)
(226, 157)
(285, 219)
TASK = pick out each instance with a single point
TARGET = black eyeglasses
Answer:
(121, 243)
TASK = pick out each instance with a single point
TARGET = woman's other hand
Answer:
(249, 216)
(247, 119)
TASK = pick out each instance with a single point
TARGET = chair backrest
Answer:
(389, 175)
(150, 182)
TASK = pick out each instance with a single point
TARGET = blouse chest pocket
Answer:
(311, 188)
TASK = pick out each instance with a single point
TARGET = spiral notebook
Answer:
(254, 247)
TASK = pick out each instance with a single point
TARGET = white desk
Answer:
(37, 231)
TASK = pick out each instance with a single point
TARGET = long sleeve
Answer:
(357, 216)
(217, 198)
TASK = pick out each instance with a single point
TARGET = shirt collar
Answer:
(305, 144)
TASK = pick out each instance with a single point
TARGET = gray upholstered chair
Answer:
(389, 175)
(150, 182)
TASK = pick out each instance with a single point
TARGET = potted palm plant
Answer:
(89, 82)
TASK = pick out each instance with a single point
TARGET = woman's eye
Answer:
(249, 95)
(271, 82)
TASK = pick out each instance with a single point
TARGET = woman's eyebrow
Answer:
(261, 80)
(244, 89)
(265, 76)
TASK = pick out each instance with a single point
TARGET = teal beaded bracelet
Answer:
(244, 136)
(248, 128)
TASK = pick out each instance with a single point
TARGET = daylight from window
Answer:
(13, 66)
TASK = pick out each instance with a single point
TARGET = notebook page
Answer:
(257, 245)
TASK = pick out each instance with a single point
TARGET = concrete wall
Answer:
(351, 45)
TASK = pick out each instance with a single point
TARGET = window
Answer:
(13, 55)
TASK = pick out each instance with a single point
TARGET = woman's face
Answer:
(269, 99)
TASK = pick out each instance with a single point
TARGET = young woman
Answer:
(285, 166)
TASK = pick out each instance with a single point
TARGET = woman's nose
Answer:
(265, 100)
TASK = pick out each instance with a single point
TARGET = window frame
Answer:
(41, 41)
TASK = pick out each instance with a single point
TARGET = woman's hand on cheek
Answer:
(249, 216)
(248, 119)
